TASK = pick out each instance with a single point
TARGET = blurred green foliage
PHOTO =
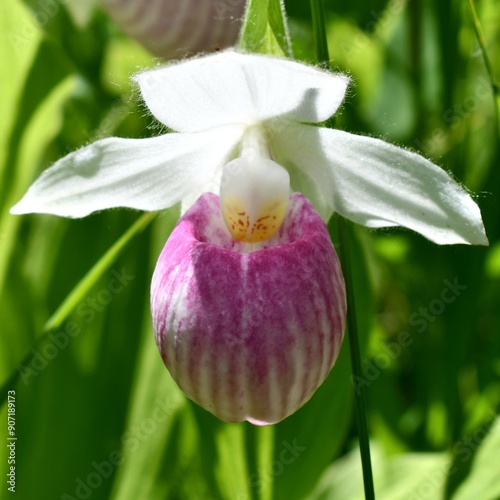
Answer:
(97, 414)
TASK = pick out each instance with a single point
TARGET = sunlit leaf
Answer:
(483, 480)
(90, 279)
(396, 478)
(264, 28)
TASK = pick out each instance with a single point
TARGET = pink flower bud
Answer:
(174, 29)
(249, 336)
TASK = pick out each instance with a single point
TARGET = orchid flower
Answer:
(248, 299)
(173, 29)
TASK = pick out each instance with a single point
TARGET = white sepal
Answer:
(230, 87)
(377, 184)
(145, 174)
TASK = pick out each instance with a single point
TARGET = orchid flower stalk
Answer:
(248, 299)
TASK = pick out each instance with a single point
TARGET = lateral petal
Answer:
(145, 174)
(377, 184)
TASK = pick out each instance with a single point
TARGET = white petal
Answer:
(145, 174)
(230, 87)
(377, 184)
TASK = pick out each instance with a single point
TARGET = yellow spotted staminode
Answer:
(254, 190)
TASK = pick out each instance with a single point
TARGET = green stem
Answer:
(318, 17)
(482, 44)
(345, 235)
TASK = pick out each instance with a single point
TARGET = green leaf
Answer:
(89, 280)
(35, 124)
(307, 441)
(26, 133)
(401, 477)
(232, 470)
(159, 431)
(16, 53)
(82, 289)
(81, 11)
(265, 30)
(484, 480)
(265, 451)
(489, 69)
